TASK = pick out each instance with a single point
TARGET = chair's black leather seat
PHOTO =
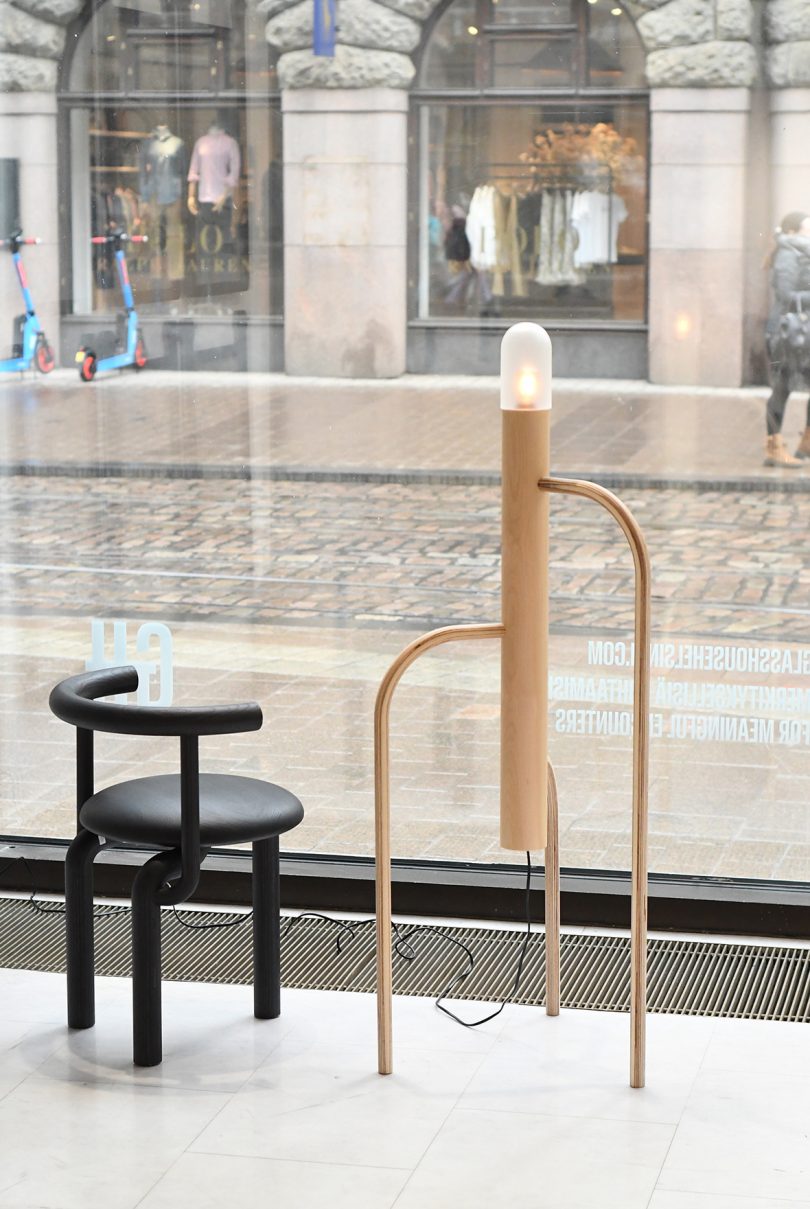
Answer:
(233, 810)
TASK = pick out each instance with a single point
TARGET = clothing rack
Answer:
(557, 262)
(548, 175)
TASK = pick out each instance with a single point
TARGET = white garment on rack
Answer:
(481, 229)
(597, 218)
(569, 273)
(543, 276)
(507, 247)
(555, 260)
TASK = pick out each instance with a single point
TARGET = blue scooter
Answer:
(124, 346)
(30, 345)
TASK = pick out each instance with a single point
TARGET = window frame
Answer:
(483, 95)
(68, 99)
(491, 31)
(445, 889)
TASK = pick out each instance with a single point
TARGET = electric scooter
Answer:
(30, 345)
(124, 346)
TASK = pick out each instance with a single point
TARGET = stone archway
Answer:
(689, 43)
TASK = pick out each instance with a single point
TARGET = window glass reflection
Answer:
(532, 12)
(531, 212)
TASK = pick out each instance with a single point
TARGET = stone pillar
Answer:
(28, 134)
(345, 219)
(697, 235)
(790, 151)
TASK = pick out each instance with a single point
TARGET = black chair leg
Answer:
(266, 930)
(81, 999)
(147, 1049)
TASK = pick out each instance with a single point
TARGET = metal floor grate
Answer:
(690, 977)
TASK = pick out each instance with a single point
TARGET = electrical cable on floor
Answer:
(406, 951)
(403, 946)
(224, 923)
(456, 982)
(100, 911)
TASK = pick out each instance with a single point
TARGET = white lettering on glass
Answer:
(703, 692)
(150, 635)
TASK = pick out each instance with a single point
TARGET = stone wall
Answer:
(32, 38)
(374, 43)
(690, 43)
(787, 32)
(697, 43)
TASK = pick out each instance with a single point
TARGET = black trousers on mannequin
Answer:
(780, 392)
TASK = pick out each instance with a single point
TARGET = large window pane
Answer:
(535, 210)
(299, 588)
(533, 62)
(139, 160)
(451, 56)
(615, 54)
(275, 505)
(532, 12)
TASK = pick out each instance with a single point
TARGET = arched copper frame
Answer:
(641, 703)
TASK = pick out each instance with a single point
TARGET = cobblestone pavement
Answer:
(392, 554)
(299, 592)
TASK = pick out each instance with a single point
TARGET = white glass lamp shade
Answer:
(526, 368)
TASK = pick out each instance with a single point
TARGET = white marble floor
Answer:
(527, 1111)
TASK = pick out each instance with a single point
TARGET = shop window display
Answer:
(533, 206)
(197, 169)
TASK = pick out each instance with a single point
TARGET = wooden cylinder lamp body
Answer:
(526, 412)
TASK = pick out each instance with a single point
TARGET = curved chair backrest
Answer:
(74, 701)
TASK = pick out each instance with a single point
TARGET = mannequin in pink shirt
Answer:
(213, 173)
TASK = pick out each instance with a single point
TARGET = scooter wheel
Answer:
(44, 357)
(87, 369)
(140, 353)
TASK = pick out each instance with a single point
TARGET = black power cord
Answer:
(55, 908)
(408, 952)
(524, 948)
(214, 924)
(405, 950)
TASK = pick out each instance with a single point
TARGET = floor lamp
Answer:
(528, 812)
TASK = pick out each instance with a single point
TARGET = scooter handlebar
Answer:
(5, 243)
(123, 238)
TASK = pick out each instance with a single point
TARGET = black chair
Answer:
(185, 816)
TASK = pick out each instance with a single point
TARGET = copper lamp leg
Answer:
(382, 820)
(641, 745)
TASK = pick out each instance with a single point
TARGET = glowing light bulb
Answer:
(527, 387)
(616, 12)
(526, 368)
(472, 29)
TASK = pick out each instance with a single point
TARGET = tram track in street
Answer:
(409, 555)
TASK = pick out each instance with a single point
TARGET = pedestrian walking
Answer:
(460, 273)
(787, 337)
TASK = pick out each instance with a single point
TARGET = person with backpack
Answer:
(789, 263)
(460, 273)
